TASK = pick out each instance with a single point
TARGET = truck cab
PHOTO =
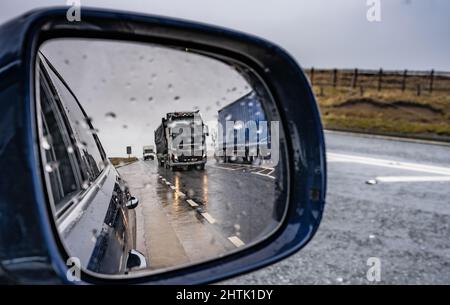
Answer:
(181, 141)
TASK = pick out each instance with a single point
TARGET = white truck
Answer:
(148, 152)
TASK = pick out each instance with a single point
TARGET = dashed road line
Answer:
(192, 203)
(180, 193)
(236, 241)
(208, 217)
(173, 187)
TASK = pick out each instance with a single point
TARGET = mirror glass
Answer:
(156, 157)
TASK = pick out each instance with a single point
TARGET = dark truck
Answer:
(181, 141)
(243, 131)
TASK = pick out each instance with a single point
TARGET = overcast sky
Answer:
(412, 34)
(126, 88)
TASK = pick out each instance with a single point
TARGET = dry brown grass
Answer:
(389, 111)
(119, 161)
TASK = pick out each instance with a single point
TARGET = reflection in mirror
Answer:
(156, 157)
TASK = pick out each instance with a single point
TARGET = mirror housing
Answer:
(25, 211)
(132, 203)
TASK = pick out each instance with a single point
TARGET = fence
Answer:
(418, 81)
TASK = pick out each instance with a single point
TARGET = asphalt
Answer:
(387, 200)
(187, 216)
(375, 211)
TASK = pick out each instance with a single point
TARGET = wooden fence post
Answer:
(380, 79)
(311, 76)
(418, 90)
(405, 73)
(355, 78)
(334, 77)
(431, 81)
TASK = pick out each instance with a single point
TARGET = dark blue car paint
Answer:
(29, 248)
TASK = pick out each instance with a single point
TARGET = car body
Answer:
(84, 183)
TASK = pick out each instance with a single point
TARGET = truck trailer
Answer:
(244, 134)
(181, 141)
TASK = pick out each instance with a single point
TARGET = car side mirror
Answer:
(132, 203)
(65, 202)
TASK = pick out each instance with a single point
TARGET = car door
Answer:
(84, 186)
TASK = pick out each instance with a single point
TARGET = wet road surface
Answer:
(387, 199)
(189, 216)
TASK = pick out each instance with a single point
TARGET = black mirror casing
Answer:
(30, 250)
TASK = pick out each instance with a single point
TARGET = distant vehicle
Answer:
(244, 142)
(148, 152)
(181, 141)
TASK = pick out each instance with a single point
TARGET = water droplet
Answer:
(110, 116)
(371, 236)
(150, 99)
(238, 125)
(51, 166)
(66, 61)
(176, 98)
(70, 149)
(233, 89)
(46, 142)
(132, 99)
(266, 70)
(85, 185)
(124, 126)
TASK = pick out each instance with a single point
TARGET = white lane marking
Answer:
(413, 179)
(227, 168)
(181, 194)
(236, 241)
(208, 217)
(192, 203)
(264, 175)
(173, 187)
(168, 183)
(334, 157)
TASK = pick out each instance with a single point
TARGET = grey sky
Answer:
(413, 34)
(139, 84)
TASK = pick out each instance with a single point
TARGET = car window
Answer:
(60, 165)
(84, 135)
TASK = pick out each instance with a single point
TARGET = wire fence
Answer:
(417, 81)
